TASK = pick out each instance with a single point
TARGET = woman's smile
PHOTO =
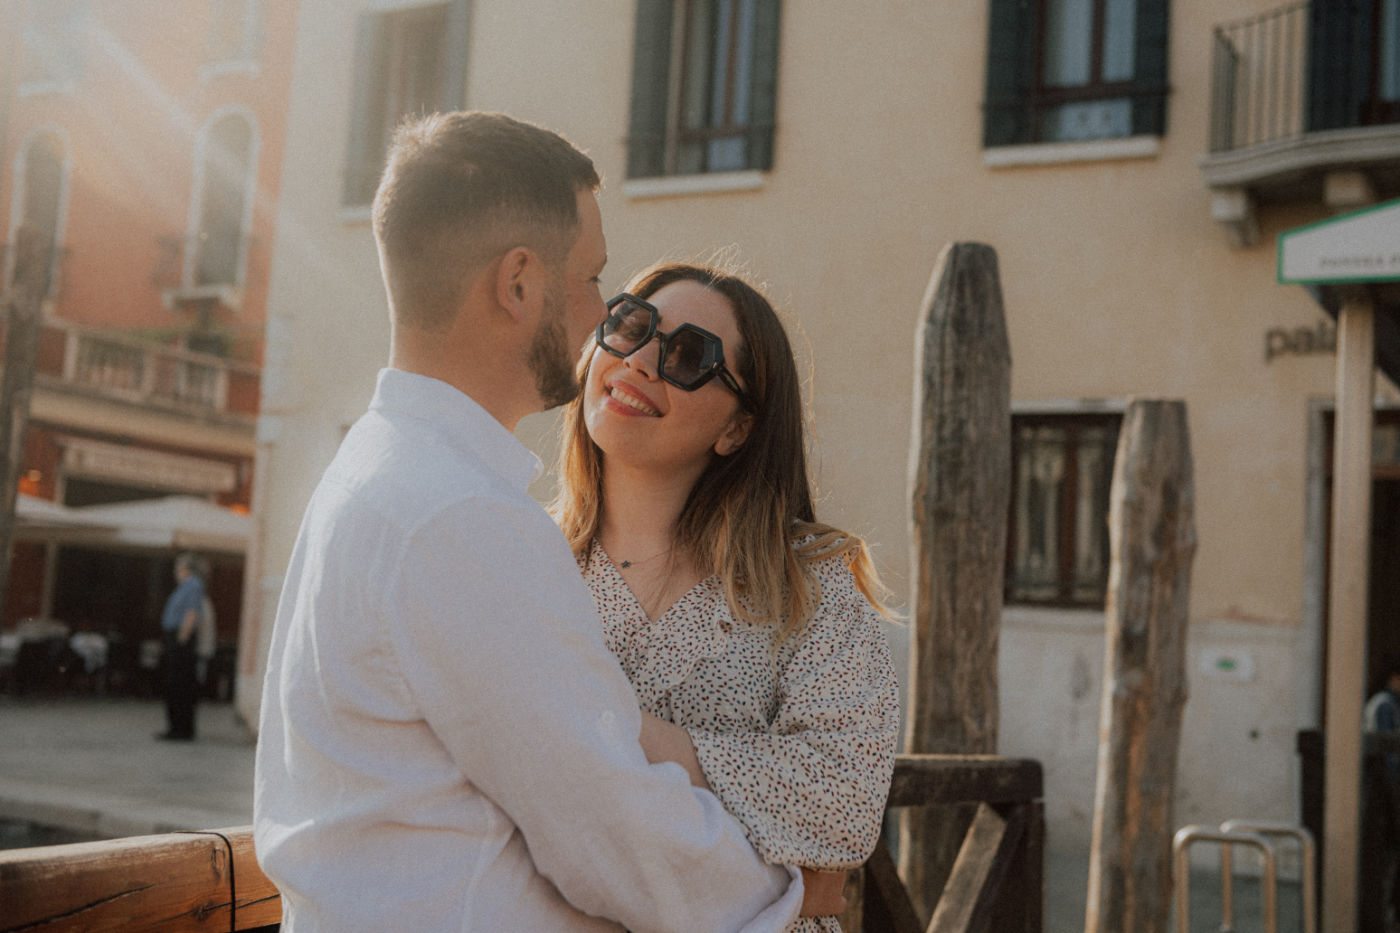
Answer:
(632, 399)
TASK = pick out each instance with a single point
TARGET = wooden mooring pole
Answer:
(31, 283)
(1152, 536)
(960, 457)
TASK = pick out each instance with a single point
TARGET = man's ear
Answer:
(735, 433)
(520, 283)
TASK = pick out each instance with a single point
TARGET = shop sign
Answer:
(1363, 246)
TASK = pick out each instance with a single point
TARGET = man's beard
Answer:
(550, 360)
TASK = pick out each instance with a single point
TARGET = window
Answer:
(1057, 534)
(704, 85)
(53, 46)
(1353, 64)
(408, 61)
(233, 32)
(39, 196)
(1074, 70)
(223, 196)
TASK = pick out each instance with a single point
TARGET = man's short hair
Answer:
(459, 190)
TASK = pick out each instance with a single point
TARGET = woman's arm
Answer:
(811, 790)
(822, 891)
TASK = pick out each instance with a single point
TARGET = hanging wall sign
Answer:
(1362, 246)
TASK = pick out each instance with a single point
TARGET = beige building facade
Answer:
(834, 149)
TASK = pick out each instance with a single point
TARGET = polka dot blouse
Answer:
(800, 745)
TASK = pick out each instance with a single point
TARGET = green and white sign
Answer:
(1363, 246)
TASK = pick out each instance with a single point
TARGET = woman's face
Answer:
(636, 417)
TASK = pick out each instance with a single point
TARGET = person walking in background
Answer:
(178, 623)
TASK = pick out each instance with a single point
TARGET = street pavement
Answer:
(91, 767)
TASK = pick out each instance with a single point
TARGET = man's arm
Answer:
(190, 619)
(497, 639)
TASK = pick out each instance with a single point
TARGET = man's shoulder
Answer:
(401, 472)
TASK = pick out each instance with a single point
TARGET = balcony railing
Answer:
(1259, 81)
(1305, 69)
(125, 369)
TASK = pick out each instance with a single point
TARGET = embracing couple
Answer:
(680, 713)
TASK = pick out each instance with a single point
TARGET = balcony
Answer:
(74, 359)
(1305, 107)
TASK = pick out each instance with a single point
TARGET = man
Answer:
(178, 622)
(1380, 823)
(446, 743)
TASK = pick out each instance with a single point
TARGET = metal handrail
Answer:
(1267, 828)
(1181, 846)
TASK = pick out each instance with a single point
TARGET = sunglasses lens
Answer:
(686, 356)
(626, 327)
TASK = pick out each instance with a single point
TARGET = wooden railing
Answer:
(169, 883)
(997, 882)
(211, 880)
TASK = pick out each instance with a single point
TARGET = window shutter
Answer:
(1010, 72)
(1339, 54)
(454, 55)
(1150, 103)
(361, 163)
(764, 92)
(651, 65)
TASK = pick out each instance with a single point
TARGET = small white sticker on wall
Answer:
(1233, 665)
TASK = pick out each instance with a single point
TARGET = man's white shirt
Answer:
(446, 743)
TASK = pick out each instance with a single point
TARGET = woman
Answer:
(749, 631)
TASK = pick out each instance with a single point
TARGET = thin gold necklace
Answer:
(629, 563)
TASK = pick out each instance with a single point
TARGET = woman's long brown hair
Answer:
(749, 517)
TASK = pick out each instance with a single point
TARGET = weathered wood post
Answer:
(960, 458)
(1152, 536)
(31, 283)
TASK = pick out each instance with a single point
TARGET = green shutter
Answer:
(1150, 102)
(456, 46)
(1339, 62)
(1010, 62)
(361, 167)
(764, 92)
(651, 64)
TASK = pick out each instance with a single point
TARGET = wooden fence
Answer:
(211, 881)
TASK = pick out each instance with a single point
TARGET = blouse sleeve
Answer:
(811, 790)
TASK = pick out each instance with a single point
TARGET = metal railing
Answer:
(1259, 79)
(136, 371)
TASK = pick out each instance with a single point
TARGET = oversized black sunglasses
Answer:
(690, 356)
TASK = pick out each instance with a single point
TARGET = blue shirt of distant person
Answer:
(187, 597)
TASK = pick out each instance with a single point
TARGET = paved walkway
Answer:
(93, 767)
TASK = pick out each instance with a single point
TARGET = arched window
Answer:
(40, 196)
(224, 184)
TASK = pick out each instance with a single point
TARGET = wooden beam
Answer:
(1152, 537)
(942, 779)
(1346, 615)
(888, 907)
(975, 881)
(173, 882)
(960, 459)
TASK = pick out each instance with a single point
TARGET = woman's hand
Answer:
(822, 892)
(666, 741)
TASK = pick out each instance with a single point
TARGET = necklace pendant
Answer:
(627, 563)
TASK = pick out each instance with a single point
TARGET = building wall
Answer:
(134, 118)
(132, 122)
(1117, 284)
